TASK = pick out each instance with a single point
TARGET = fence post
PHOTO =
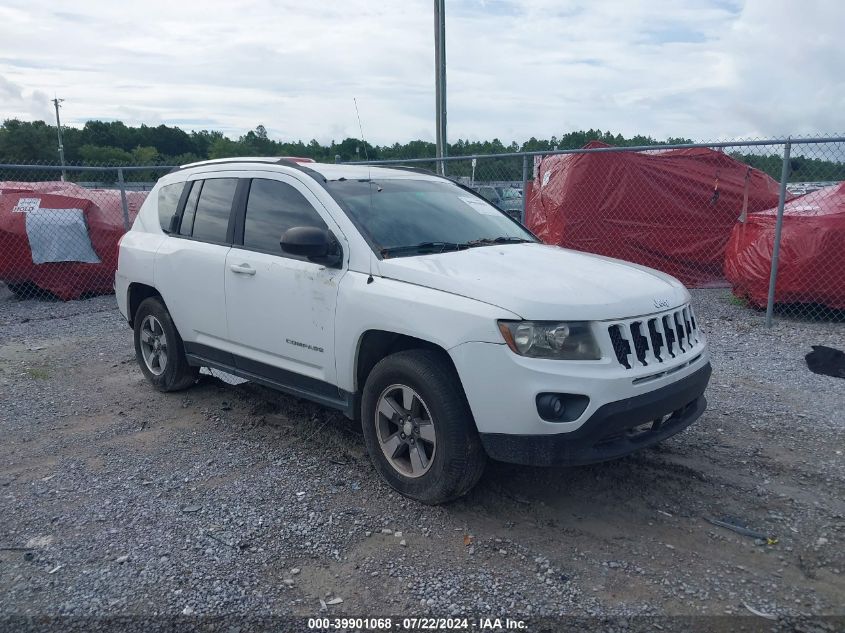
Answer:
(784, 176)
(123, 202)
(524, 187)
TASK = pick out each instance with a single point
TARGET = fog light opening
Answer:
(551, 406)
(561, 407)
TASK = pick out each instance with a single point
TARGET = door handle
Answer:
(242, 269)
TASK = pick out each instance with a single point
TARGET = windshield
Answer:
(410, 217)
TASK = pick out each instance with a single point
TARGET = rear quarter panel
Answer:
(136, 256)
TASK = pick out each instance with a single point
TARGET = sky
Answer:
(701, 69)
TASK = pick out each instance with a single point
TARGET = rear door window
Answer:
(168, 201)
(214, 206)
(187, 226)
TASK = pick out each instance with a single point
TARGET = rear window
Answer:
(211, 221)
(168, 200)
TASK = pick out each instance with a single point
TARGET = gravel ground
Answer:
(116, 499)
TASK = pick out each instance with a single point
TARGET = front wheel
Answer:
(418, 427)
(159, 348)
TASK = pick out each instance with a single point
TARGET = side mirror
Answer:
(317, 245)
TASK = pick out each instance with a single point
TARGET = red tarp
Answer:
(103, 213)
(671, 210)
(811, 266)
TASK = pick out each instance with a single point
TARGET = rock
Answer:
(822, 541)
(295, 571)
(386, 531)
(403, 543)
(397, 533)
(191, 508)
(188, 611)
(368, 533)
(323, 606)
(38, 542)
(334, 601)
(288, 582)
(122, 559)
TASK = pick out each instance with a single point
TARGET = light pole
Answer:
(56, 102)
(440, 81)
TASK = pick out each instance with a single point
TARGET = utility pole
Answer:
(440, 80)
(56, 102)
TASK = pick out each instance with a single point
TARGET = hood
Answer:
(542, 282)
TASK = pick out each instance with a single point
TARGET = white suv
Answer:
(409, 302)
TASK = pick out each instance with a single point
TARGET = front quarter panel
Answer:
(438, 317)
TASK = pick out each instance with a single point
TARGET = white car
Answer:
(409, 302)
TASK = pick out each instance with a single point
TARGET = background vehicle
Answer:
(508, 199)
(410, 303)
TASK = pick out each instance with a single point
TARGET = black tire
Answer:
(458, 460)
(177, 374)
(26, 290)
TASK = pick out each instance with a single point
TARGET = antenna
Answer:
(369, 175)
(361, 127)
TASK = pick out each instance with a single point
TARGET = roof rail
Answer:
(262, 160)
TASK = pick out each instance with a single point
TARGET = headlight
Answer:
(551, 339)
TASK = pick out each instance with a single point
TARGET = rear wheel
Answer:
(159, 348)
(418, 427)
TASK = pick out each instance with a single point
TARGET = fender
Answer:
(441, 318)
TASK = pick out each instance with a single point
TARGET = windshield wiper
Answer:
(487, 241)
(442, 247)
(434, 247)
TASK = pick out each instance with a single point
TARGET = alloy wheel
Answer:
(405, 430)
(153, 345)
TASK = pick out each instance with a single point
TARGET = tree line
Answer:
(115, 143)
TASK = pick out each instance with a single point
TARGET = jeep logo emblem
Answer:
(661, 303)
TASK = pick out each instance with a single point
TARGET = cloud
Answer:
(516, 68)
(22, 104)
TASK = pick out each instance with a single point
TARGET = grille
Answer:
(650, 341)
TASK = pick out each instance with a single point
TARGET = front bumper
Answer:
(609, 432)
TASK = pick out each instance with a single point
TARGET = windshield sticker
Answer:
(485, 208)
(25, 205)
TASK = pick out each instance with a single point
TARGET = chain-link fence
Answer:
(60, 226)
(763, 218)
